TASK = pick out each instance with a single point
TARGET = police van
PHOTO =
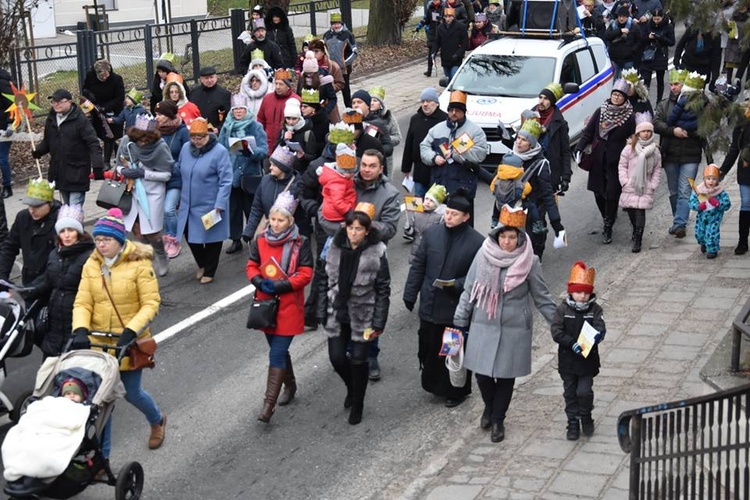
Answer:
(503, 77)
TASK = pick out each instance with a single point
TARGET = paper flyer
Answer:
(408, 184)
(210, 219)
(586, 338)
(463, 143)
(452, 340)
(413, 204)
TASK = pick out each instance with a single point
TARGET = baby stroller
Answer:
(101, 374)
(16, 341)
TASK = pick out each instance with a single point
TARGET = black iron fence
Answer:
(133, 50)
(740, 329)
(695, 448)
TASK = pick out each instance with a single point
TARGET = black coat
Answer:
(306, 139)
(282, 35)
(269, 189)
(411, 160)
(555, 143)
(740, 143)
(73, 148)
(706, 62)
(663, 39)
(566, 326)
(60, 282)
(445, 254)
(623, 47)
(271, 54)
(210, 101)
(5, 103)
(675, 149)
(108, 97)
(451, 40)
(34, 239)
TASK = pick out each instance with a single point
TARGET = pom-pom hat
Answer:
(310, 64)
(39, 192)
(643, 122)
(111, 226)
(70, 217)
(581, 278)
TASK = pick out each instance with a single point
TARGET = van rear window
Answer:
(504, 76)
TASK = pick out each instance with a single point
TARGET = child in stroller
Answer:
(55, 450)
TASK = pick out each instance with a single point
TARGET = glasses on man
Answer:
(103, 240)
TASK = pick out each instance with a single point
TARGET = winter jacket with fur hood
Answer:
(187, 110)
(134, 289)
(282, 34)
(255, 97)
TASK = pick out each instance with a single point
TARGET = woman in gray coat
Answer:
(495, 306)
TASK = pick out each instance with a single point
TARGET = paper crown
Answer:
(341, 133)
(457, 96)
(346, 158)
(282, 74)
(533, 127)
(437, 193)
(167, 56)
(711, 170)
(174, 77)
(259, 24)
(308, 38)
(513, 217)
(677, 75)
(310, 96)
(378, 92)
(352, 116)
(145, 122)
(621, 85)
(695, 80)
(40, 190)
(135, 95)
(238, 101)
(643, 122)
(257, 54)
(335, 17)
(556, 89)
(283, 158)
(199, 126)
(285, 203)
(581, 278)
(630, 75)
(367, 208)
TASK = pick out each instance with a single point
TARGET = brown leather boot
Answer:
(290, 384)
(157, 433)
(273, 387)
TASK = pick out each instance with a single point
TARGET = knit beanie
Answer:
(458, 200)
(70, 217)
(429, 94)
(292, 109)
(581, 278)
(75, 386)
(310, 64)
(111, 225)
(167, 108)
(364, 96)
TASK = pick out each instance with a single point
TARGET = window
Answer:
(586, 66)
(504, 76)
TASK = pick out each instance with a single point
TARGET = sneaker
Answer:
(573, 430)
(171, 246)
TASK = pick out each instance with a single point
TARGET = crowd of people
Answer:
(208, 165)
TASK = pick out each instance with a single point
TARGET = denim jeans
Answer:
(449, 71)
(617, 69)
(171, 200)
(279, 349)
(744, 198)
(73, 197)
(679, 190)
(5, 162)
(136, 396)
(420, 189)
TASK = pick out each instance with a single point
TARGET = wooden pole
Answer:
(31, 139)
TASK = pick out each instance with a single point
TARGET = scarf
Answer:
(236, 128)
(154, 156)
(348, 266)
(545, 117)
(197, 152)
(491, 260)
(169, 127)
(644, 165)
(529, 154)
(704, 190)
(580, 306)
(611, 116)
(287, 238)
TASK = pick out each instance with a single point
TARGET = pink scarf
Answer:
(491, 260)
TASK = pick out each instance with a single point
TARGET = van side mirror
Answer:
(443, 82)
(571, 88)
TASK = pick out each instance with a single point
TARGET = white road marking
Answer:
(203, 314)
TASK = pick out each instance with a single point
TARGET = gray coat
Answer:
(501, 347)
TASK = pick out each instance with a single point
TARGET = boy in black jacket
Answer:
(576, 370)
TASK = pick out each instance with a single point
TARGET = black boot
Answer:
(587, 425)
(359, 387)
(744, 230)
(273, 387)
(637, 239)
(498, 432)
(573, 430)
(7, 192)
(235, 247)
(607, 231)
(486, 421)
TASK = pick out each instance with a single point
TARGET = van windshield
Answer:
(504, 76)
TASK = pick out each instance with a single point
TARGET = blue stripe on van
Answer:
(587, 89)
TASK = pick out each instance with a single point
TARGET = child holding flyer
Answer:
(578, 327)
(710, 201)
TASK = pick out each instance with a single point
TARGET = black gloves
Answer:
(409, 305)
(81, 339)
(564, 186)
(133, 173)
(98, 174)
(557, 226)
(126, 337)
(37, 154)
(246, 239)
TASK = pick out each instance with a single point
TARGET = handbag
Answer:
(456, 369)
(141, 352)
(587, 156)
(649, 54)
(263, 313)
(116, 194)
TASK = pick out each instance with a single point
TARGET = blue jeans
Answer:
(136, 396)
(679, 190)
(73, 197)
(744, 198)
(617, 69)
(420, 189)
(5, 162)
(279, 349)
(171, 200)
(449, 71)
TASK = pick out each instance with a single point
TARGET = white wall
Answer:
(70, 12)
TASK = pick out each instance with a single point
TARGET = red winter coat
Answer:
(271, 116)
(290, 319)
(188, 112)
(339, 196)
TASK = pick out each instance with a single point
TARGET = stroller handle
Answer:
(120, 351)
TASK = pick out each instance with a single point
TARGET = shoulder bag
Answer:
(587, 155)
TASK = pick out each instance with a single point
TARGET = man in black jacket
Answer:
(445, 253)
(451, 40)
(32, 234)
(106, 91)
(74, 149)
(271, 51)
(213, 100)
(5, 103)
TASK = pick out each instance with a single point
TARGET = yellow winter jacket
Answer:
(510, 173)
(134, 289)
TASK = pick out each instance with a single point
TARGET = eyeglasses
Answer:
(198, 137)
(104, 240)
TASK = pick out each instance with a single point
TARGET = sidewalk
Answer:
(665, 316)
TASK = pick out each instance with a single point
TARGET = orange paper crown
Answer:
(513, 217)
(282, 74)
(458, 96)
(174, 77)
(581, 278)
(367, 208)
(352, 116)
(199, 126)
(711, 170)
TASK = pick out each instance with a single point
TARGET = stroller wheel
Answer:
(19, 406)
(129, 482)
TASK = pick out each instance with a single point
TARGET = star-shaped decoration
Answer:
(22, 104)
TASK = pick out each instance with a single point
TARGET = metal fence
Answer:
(695, 448)
(133, 50)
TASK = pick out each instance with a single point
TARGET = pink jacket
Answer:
(626, 170)
(339, 196)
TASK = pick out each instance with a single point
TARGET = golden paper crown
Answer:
(711, 170)
(513, 217)
(310, 96)
(341, 133)
(630, 75)
(257, 54)
(677, 75)
(449, 11)
(174, 77)
(199, 126)
(581, 278)
(379, 92)
(282, 74)
(695, 80)
(457, 96)
(352, 116)
(367, 208)
(346, 158)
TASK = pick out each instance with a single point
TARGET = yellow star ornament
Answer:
(22, 104)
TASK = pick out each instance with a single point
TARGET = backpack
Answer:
(511, 191)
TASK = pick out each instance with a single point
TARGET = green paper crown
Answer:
(257, 54)
(335, 17)
(533, 127)
(677, 75)
(41, 189)
(167, 56)
(438, 193)
(310, 96)
(341, 133)
(556, 89)
(630, 75)
(379, 92)
(135, 96)
(695, 80)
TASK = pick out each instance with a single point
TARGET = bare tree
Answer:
(387, 20)
(12, 34)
